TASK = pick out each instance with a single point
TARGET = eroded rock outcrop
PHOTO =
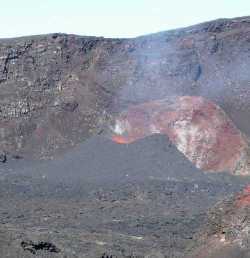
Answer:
(200, 129)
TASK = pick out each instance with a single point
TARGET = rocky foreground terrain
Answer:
(68, 190)
(102, 198)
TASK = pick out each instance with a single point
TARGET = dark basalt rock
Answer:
(34, 247)
(70, 106)
(3, 157)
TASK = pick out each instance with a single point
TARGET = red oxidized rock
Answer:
(200, 130)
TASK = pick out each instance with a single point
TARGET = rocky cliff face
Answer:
(51, 96)
(57, 90)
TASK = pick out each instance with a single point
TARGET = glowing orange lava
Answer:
(120, 139)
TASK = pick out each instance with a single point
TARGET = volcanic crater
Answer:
(177, 186)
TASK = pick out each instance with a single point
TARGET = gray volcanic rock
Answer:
(226, 232)
(58, 90)
(139, 200)
(47, 102)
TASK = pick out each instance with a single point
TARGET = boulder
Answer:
(3, 157)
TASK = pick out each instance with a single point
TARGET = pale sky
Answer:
(111, 18)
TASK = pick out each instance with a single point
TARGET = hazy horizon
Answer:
(116, 19)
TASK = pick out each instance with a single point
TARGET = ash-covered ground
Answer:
(106, 200)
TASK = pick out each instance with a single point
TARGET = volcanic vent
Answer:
(200, 129)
